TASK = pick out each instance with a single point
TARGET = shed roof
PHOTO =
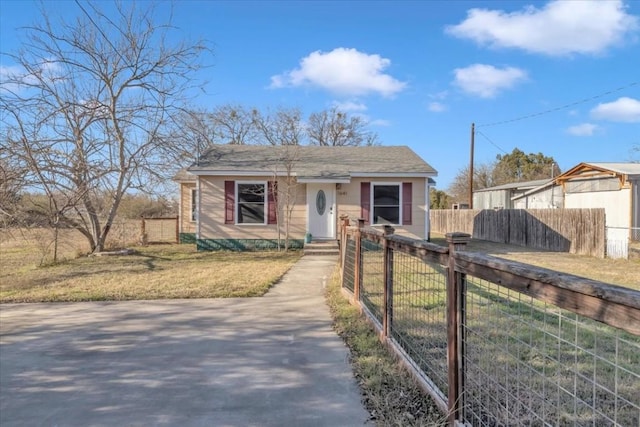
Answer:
(523, 185)
(312, 162)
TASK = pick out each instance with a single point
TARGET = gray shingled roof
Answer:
(184, 176)
(312, 161)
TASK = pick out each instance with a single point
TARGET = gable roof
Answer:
(619, 167)
(602, 170)
(312, 163)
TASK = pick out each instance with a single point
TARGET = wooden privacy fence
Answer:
(160, 230)
(497, 342)
(578, 231)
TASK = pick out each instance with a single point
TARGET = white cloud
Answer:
(559, 28)
(15, 79)
(350, 106)
(436, 107)
(622, 110)
(486, 81)
(380, 122)
(583, 129)
(342, 71)
(9, 74)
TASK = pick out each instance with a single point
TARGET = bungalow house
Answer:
(234, 196)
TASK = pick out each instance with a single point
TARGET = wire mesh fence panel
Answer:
(531, 363)
(372, 285)
(124, 233)
(419, 323)
(161, 230)
(348, 272)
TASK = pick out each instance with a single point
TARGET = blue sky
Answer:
(422, 71)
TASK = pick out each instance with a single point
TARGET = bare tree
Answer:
(193, 132)
(336, 128)
(459, 188)
(634, 153)
(11, 185)
(280, 127)
(234, 124)
(91, 110)
(286, 191)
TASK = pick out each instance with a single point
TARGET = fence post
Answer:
(387, 313)
(344, 223)
(357, 267)
(177, 229)
(455, 313)
(143, 231)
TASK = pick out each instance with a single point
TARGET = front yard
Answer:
(153, 272)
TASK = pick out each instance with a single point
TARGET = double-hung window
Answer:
(386, 203)
(251, 202)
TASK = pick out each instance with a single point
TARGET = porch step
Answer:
(322, 247)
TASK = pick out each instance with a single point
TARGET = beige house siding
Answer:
(212, 209)
(186, 224)
(212, 212)
(348, 202)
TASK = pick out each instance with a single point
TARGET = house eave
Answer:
(205, 172)
(393, 174)
(308, 180)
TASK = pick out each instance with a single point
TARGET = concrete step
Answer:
(328, 247)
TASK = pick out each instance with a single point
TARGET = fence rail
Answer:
(498, 342)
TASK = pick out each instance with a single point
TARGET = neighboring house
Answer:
(502, 196)
(545, 196)
(232, 197)
(612, 186)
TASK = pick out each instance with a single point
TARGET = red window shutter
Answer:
(365, 201)
(229, 201)
(272, 202)
(406, 203)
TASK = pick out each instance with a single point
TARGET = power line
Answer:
(562, 107)
(490, 141)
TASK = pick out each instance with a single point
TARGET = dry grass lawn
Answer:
(389, 392)
(153, 272)
(616, 271)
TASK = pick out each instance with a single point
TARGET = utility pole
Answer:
(473, 135)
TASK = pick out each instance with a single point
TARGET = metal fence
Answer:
(497, 342)
(160, 230)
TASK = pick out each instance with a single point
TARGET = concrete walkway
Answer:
(270, 361)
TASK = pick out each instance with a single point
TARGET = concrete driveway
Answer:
(269, 361)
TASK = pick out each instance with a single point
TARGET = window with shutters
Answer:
(251, 202)
(386, 203)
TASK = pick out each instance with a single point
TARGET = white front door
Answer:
(321, 200)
